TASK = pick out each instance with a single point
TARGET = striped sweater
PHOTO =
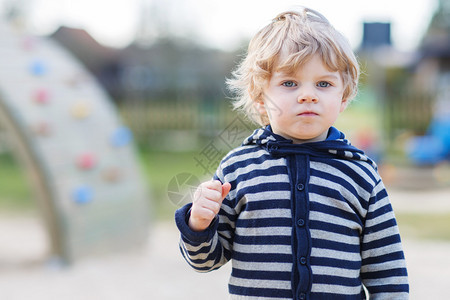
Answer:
(302, 221)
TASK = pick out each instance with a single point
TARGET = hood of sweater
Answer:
(335, 145)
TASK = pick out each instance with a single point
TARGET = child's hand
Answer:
(206, 205)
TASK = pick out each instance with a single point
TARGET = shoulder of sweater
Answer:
(245, 156)
(242, 151)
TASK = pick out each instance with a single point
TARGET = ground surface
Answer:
(159, 273)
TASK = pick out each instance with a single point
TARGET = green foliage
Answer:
(160, 167)
(14, 187)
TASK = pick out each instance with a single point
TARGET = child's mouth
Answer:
(307, 114)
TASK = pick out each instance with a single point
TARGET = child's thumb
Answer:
(226, 187)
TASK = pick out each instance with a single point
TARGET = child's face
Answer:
(303, 106)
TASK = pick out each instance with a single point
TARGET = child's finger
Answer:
(226, 187)
(208, 193)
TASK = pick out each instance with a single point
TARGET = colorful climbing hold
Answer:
(41, 128)
(112, 174)
(38, 68)
(41, 96)
(122, 136)
(86, 161)
(83, 194)
(81, 110)
(28, 43)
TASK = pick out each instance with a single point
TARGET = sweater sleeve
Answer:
(383, 268)
(209, 249)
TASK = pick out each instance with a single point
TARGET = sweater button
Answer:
(303, 260)
(302, 296)
(301, 222)
(300, 187)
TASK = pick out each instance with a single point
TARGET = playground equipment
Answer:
(79, 156)
(434, 147)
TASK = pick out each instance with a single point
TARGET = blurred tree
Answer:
(174, 69)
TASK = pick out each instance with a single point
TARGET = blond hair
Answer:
(295, 36)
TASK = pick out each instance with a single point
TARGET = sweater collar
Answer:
(335, 145)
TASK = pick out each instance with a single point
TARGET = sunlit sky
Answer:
(221, 24)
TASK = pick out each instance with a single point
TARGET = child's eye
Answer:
(289, 84)
(323, 84)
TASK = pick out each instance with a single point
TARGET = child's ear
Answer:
(344, 104)
(260, 107)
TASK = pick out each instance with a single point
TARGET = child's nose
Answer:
(307, 95)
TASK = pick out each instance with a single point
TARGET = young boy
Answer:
(301, 213)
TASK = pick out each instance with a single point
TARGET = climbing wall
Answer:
(79, 156)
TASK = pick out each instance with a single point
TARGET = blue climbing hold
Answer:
(38, 67)
(83, 194)
(122, 136)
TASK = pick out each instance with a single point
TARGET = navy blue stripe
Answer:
(225, 227)
(351, 172)
(382, 194)
(380, 211)
(202, 250)
(261, 275)
(260, 292)
(381, 226)
(384, 273)
(331, 193)
(340, 180)
(395, 288)
(266, 222)
(244, 151)
(231, 217)
(239, 165)
(263, 240)
(334, 228)
(254, 173)
(384, 258)
(268, 204)
(333, 296)
(335, 262)
(213, 256)
(334, 211)
(365, 167)
(390, 240)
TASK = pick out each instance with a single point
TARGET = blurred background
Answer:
(164, 63)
